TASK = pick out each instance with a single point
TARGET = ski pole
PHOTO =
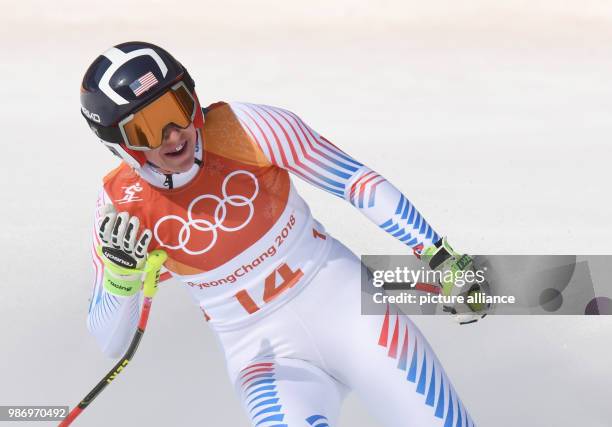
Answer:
(153, 267)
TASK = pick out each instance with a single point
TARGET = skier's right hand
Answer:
(123, 252)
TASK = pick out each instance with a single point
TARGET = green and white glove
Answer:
(123, 253)
(459, 278)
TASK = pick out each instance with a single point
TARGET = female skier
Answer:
(211, 186)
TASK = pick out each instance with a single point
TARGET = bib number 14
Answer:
(271, 289)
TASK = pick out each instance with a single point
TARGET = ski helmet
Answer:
(122, 84)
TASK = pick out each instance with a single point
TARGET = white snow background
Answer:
(494, 118)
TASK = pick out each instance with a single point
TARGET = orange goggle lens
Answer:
(144, 129)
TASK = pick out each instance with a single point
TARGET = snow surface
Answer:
(494, 119)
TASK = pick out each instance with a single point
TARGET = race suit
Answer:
(281, 294)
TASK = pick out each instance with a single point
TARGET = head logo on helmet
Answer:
(124, 79)
(90, 115)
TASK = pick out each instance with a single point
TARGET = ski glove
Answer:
(459, 278)
(122, 251)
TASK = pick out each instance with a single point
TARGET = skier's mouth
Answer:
(180, 149)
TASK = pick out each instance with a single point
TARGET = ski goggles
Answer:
(144, 129)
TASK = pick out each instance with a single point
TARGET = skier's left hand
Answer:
(465, 313)
(460, 278)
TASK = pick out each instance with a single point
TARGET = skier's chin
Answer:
(176, 166)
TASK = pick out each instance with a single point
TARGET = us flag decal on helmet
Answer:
(143, 83)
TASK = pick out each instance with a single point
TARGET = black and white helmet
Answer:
(124, 79)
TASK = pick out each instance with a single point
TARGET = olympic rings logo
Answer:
(220, 215)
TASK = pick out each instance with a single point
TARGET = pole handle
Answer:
(153, 267)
